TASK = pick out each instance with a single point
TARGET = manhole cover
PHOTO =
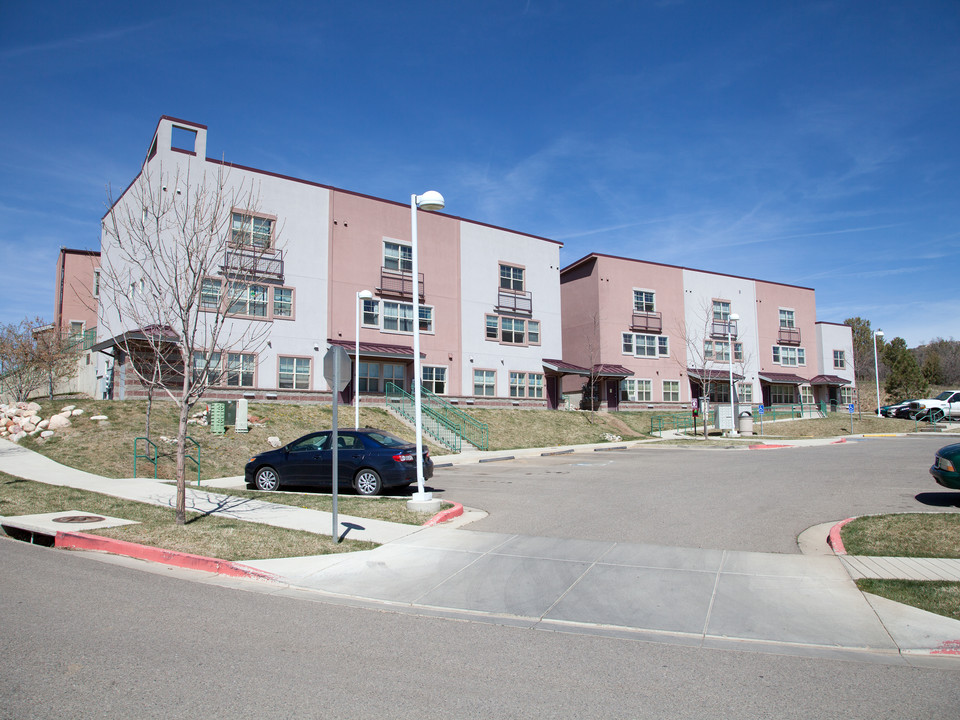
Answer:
(79, 519)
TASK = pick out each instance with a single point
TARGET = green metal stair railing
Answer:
(444, 422)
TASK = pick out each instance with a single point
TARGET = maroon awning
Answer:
(562, 367)
(829, 380)
(782, 378)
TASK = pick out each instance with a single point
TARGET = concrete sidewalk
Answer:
(794, 604)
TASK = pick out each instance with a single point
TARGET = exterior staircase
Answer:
(445, 423)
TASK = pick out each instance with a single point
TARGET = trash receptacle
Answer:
(746, 422)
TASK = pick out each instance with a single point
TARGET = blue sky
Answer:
(811, 143)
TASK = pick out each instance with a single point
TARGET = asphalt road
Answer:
(87, 637)
(731, 499)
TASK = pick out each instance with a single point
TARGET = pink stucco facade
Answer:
(76, 289)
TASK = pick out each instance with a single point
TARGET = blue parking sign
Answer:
(850, 408)
(760, 408)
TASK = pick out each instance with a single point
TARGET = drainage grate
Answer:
(79, 519)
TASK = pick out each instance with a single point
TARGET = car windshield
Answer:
(945, 394)
(387, 439)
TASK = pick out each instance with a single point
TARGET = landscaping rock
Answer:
(59, 421)
(46, 433)
(98, 417)
(78, 411)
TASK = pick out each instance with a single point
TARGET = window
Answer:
(371, 313)
(393, 373)
(535, 385)
(745, 392)
(533, 332)
(846, 395)
(636, 390)
(783, 394)
(518, 385)
(282, 302)
(369, 377)
(806, 395)
(240, 369)
(720, 392)
(293, 373)
(643, 301)
(511, 278)
(721, 310)
(671, 391)
(434, 379)
(96, 283)
(646, 345)
(76, 330)
(397, 257)
(213, 368)
(719, 351)
(839, 359)
(786, 318)
(252, 230)
(211, 292)
(426, 319)
(398, 317)
(789, 356)
(512, 331)
(484, 382)
(663, 346)
(248, 300)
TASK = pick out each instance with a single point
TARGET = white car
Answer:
(944, 405)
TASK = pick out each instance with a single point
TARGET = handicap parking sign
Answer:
(850, 408)
(760, 408)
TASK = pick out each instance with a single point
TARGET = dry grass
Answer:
(835, 424)
(107, 447)
(206, 535)
(510, 429)
(930, 535)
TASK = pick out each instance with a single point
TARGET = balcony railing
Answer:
(651, 322)
(515, 302)
(722, 328)
(398, 284)
(788, 336)
(247, 264)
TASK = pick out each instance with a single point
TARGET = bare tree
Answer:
(19, 374)
(178, 259)
(708, 352)
(590, 394)
(56, 354)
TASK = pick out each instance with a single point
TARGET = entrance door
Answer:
(553, 392)
(613, 394)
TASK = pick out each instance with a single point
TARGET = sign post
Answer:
(695, 409)
(336, 371)
(850, 408)
(760, 411)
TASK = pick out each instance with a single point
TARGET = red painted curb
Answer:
(768, 447)
(834, 541)
(444, 515)
(83, 541)
(947, 647)
(837, 442)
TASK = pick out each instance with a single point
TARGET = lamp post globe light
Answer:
(361, 296)
(430, 201)
(733, 415)
(876, 367)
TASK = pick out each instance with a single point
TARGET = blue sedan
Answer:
(368, 459)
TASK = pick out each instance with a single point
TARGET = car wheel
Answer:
(267, 479)
(367, 482)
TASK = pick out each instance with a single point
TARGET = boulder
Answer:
(34, 407)
(28, 427)
(78, 411)
(46, 433)
(43, 424)
(98, 417)
(58, 421)
(67, 409)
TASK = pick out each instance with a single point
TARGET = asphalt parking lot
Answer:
(733, 499)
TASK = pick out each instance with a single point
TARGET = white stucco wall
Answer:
(832, 337)
(482, 249)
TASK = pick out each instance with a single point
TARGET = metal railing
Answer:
(444, 422)
(647, 322)
(674, 421)
(788, 336)
(722, 328)
(515, 301)
(395, 282)
(151, 459)
(247, 264)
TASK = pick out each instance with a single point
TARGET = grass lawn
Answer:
(942, 598)
(928, 535)
(206, 535)
(934, 535)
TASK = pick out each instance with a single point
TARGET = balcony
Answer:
(651, 322)
(252, 265)
(788, 336)
(513, 301)
(722, 328)
(398, 284)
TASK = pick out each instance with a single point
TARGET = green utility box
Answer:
(217, 416)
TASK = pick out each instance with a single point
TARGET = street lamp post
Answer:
(361, 296)
(430, 201)
(733, 415)
(876, 367)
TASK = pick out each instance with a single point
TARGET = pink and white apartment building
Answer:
(490, 330)
(657, 335)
